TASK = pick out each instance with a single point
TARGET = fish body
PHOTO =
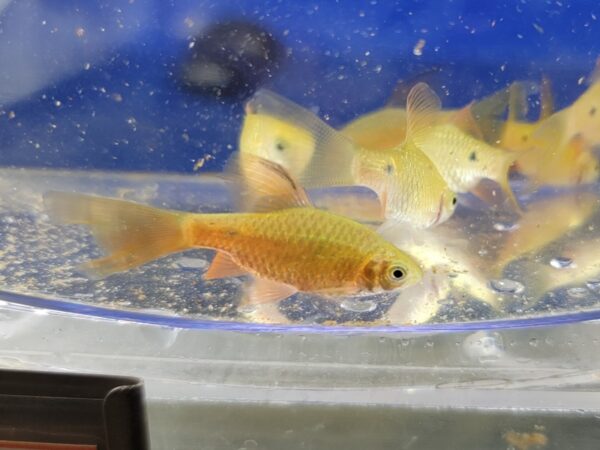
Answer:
(543, 223)
(286, 245)
(406, 181)
(464, 160)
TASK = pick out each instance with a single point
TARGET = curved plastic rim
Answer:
(66, 306)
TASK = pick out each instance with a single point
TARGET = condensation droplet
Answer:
(358, 306)
(577, 292)
(505, 226)
(507, 286)
(593, 285)
(561, 262)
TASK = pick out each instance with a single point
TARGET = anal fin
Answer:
(223, 266)
(262, 291)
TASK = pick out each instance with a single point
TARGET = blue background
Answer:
(92, 84)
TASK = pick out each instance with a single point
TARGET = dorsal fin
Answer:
(465, 121)
(399, 96)
(517, 102)
(546, 99)
(422, 111)
(264, 185)
(594, 77)
(333, 157)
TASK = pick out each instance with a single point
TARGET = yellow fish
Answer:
(547, 153)
(277, 140)
(543, 223)
(286, 245)
(410, 188)
(462, 159)
(543, 278)
(451, 267)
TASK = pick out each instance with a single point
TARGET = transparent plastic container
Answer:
(134, 100)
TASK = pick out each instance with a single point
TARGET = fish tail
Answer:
(131, 234)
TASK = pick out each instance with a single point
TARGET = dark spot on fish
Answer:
(389, 169)
(473, 156)
(592, 111)
(525, 138)
(280, 145)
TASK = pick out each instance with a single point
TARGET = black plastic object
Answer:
(50, 411)
(231, 59)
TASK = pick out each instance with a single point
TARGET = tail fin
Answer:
(130, 233)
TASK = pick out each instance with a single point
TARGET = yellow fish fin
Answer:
(504, 182)
(594, 77)
(264, 185)
(222, 266)
(517, 102)
(131, 234)
(422, 110)
(399, 96)
(550, 134)
(546, 99)
(465, 121)
(331, 164)
(262, 291)
(489, 112)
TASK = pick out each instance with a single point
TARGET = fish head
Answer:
(416, 193)
(279, 141)
(390, 269)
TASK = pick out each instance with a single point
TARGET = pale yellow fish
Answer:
(462, 159)
(450, 267)
(410, 188)
(286, 245)
(543, 223)
(585, 267)
(277, 140)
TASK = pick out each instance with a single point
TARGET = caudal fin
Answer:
(131, 234)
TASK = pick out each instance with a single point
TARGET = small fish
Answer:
(277, 140)
(451, 143)
(542, 224)
(547, 153)
(285, 244)
(409, 186)
(585, 267)
(450, 268)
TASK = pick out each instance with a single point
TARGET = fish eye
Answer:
(280, 145)
(454, 200)
(397, 273)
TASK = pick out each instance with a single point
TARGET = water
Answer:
(120, 88)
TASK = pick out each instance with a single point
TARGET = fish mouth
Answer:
(439, 211)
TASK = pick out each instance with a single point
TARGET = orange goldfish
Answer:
(285, 244)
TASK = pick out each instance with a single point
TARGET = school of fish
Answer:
(417, 158)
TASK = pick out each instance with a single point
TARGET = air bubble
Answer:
(358, 306)
(561, 262)
(505, 226)
(577, 292)
(507, 286)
